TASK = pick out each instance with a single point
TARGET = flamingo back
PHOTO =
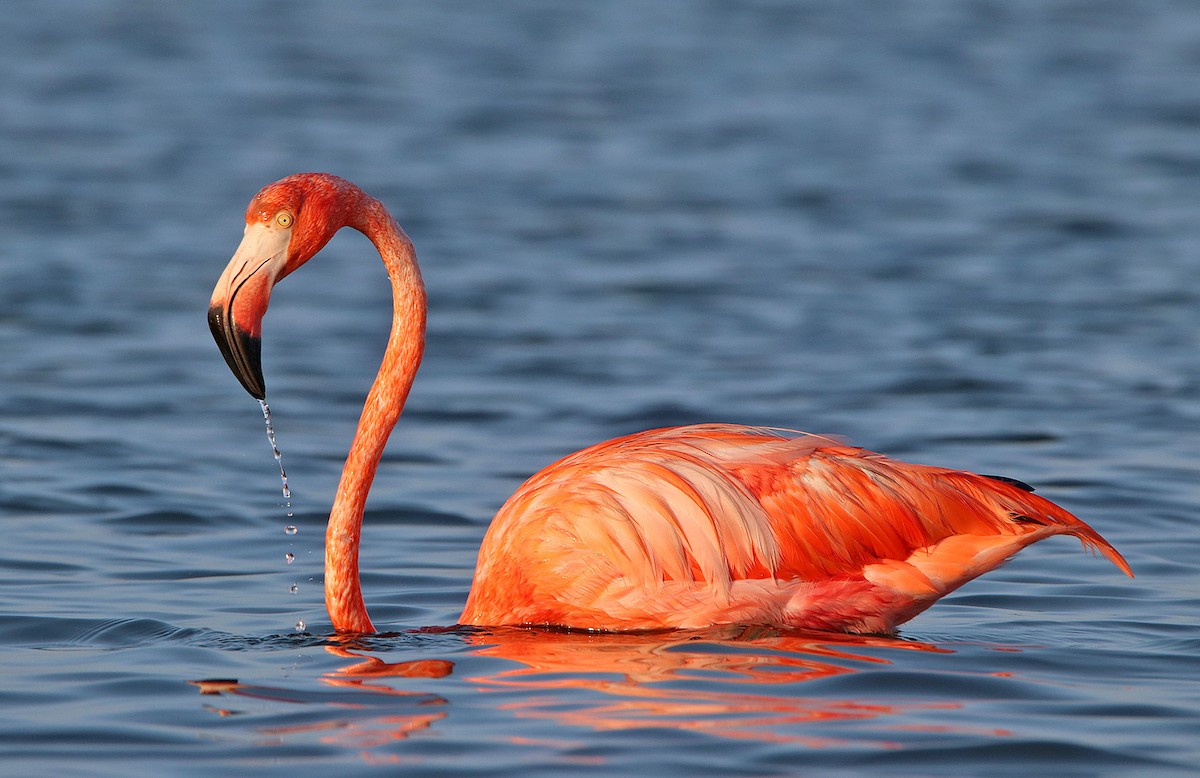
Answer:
(687, 527)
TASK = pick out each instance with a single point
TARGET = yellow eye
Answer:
(283, 219)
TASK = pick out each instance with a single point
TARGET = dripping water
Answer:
(287, 491)
(290, 529)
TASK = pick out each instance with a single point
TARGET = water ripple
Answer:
(970, 243)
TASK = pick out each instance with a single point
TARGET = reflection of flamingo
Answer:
(672, 528)
(743, 683)
(728, 683)
(361, 690)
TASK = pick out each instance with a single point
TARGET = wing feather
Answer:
(655, 528)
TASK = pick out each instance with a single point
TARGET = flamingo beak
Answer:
(240, 300)
(242, 351)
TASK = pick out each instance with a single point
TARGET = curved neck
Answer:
(385, 401)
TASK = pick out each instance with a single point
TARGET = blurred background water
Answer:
(960, 233)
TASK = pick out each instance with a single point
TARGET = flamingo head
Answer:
(287, 222)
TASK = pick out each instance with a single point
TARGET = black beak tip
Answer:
(242, 351)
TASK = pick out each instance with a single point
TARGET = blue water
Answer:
(960, 233)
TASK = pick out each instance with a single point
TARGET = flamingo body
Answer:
(677, 528)
(688, 527)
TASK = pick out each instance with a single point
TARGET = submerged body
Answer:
(683, 527)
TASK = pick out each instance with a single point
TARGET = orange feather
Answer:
(711, 524)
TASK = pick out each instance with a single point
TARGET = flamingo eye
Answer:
(283, 219)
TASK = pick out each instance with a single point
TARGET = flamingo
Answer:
(675, 528)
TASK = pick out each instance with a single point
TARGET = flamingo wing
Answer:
(692, 526)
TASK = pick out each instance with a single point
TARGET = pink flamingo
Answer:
(684, 527)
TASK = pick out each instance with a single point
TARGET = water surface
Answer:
(961, 234)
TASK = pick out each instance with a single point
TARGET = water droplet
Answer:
(295, 587)
(290, 557)
(290, 529)
(287, 490)
(300, 625)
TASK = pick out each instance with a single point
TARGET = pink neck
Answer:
(385, 401)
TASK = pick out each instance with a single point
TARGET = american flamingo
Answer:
(683, 527)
